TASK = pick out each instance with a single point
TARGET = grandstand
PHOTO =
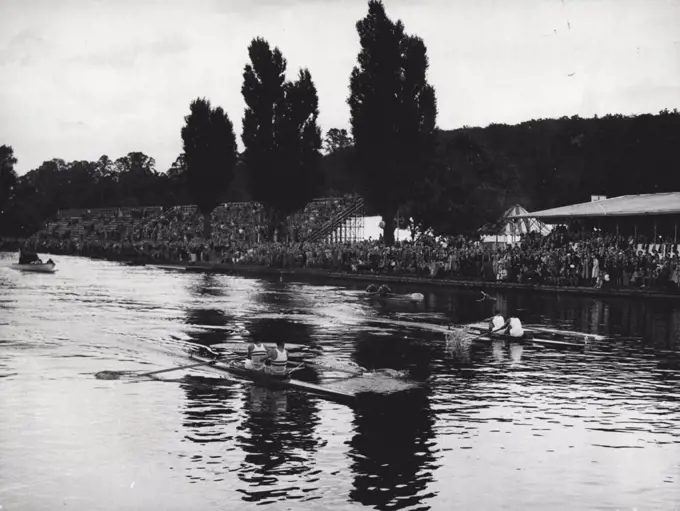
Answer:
(332, 219)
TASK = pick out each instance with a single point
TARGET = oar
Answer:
(486, 333)
(199, 364)
(116, 375)
(297, 368)
(178, 368)
(152, 373)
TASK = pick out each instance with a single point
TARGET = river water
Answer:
(497, 427)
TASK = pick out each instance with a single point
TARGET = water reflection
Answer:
(516, 351)
(392, 451)
(208, 285)
(272, 330)
(278, 438)
(211, 326)
(210, 405)
(399, 352)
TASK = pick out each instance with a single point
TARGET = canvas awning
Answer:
(514, 222)
(625, 205)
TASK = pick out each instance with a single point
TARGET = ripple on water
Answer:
(520, 416)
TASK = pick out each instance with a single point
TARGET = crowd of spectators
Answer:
(237, 223)
(561, 258)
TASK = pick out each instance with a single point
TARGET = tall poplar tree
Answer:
(281, 135)
(393, 113)
(210, 155)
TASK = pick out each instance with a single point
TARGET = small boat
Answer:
(527, 337)
(412, 297)
(168, 267)
(35, 267)
(278, 382)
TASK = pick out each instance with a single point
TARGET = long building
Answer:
(653, 215)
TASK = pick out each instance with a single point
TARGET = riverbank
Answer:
(318, 274)
(321, 274)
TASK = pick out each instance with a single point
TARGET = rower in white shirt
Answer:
(497, 322)
(278, 358)
(257, 354)
(513, 327)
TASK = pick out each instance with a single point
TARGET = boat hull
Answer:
(35, 268)
(413, 297)
(527, 337)
(503, 337)
(278, 382)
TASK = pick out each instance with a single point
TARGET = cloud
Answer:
(127, 55)
(73, 124)
(22, 49)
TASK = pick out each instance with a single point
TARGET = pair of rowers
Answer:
(258, 355)
(382, 290)
(511, 327)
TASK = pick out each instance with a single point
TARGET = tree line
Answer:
(394, 156)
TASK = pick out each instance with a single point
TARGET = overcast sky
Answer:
(83, 78)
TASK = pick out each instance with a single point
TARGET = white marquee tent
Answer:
(511, 228)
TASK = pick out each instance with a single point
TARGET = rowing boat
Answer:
(524, 338)
(278, 382)
(35, 267)
(412, 297)
(551, 332)
(169, 267)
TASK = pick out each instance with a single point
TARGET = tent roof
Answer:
(626, 205)
(515, 220)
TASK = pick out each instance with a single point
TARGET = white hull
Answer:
(36, 268)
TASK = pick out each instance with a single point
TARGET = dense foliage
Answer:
(564, 161)
(466, 186)
(538, 164)
(393, 113)
(448, 181)
(280, 133)
(209, 156)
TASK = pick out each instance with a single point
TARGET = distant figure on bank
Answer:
(497, 321)
(513, 327)
(278, 359)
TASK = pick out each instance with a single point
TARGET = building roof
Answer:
(626, 205)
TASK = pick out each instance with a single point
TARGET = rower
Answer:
(384, 290)
(257, 354)
(497, 321)
(278, 358)
(26, 257)
(372, 288)
(514, 327)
